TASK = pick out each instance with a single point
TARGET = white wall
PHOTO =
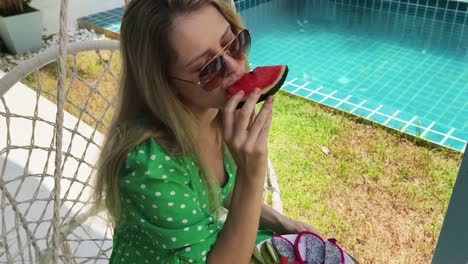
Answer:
(76, 8)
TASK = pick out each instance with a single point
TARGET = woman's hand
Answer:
(246, 138)
(289, 226)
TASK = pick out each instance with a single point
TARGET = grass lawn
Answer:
(381, 195)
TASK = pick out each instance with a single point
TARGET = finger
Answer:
(234, 100)
(252, 118)
(259, 121)
(228, 115)
(263, 134)
(313, 230)
(242, 122)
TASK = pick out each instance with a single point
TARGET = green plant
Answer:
(13, 7)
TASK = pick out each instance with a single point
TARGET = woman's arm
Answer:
(236, 241)
(272, 219)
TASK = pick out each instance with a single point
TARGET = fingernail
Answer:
(256, 91)
(241, 92)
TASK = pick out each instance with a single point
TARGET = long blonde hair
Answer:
(146, 105)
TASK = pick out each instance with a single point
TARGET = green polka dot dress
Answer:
(165, 215)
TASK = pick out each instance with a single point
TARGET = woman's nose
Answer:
(234, 67)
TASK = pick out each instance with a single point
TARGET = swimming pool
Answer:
(397, 63)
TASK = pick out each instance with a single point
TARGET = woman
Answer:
(178, 150)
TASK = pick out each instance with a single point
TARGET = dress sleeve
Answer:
(169, 209)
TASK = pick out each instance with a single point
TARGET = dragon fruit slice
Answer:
(312, 246)
(315, 249)
(333, 253)
(284, 247)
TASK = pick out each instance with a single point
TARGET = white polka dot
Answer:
(133, 173)
(158, 258)
(168, 158)
(204, 205)
(155, 217)
(169, 219)
(186, 229)
(143, 197)
(174, 239)
(128, 200)
(142, 220)
(172, 193)
(147, 172)
(186, 195)
(188, 249)
(164, 246)
(204, 193)
(160, 166)
(193, 164)
(154, 206)
(190, 260)
(200, 228)
(138, 162)
(171, 170)
(143, 186)
(194, 212)
(153, 157)
(157, 193)
(204, 258)
(170, 204)
(164, 176)
(184, 221)
(182, 206)
(141, 152)
(203, 252)
(129, 154)
(127, 181)
(211, 231)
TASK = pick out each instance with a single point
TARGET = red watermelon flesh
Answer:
(267, 78)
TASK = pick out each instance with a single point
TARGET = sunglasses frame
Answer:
(221, 54)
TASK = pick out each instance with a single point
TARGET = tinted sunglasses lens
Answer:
(213, 73)
(241, 45)
(211, 69)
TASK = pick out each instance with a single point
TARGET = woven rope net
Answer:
(28, 150)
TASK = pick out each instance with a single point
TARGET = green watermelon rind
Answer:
(274, 89)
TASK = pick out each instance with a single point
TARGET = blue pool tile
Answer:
(396, 124)
(288, 88)
(378, 118)
(331, 102)
(302, 92)
(434, 137)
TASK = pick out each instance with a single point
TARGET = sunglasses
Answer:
(212, 74)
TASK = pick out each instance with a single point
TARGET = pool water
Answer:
(392, 67)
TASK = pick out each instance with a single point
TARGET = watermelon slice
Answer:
(267, 78)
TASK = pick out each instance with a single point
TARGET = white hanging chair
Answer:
(45, 208)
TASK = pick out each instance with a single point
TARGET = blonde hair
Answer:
(146, 104)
